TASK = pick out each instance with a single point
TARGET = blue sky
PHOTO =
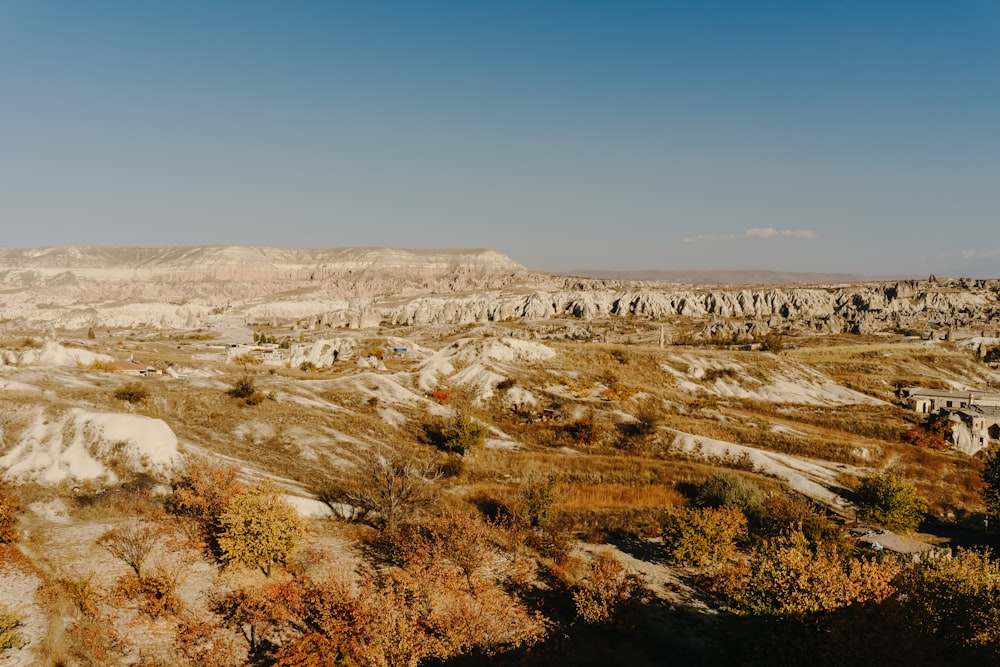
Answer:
(799, 136)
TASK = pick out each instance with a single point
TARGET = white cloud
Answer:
(709, 237)
(981, 254)
(771, 233)
(754, 233)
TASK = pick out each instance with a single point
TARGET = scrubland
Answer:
(498, 494)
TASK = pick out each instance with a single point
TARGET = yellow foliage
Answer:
(788, 579)
(702, 536)
(259, 528)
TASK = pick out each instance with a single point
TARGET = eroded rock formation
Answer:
(77, 287)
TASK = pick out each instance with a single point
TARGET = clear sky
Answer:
(801, 136)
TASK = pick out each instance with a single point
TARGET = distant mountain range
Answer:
(79, 287)
(726, 277)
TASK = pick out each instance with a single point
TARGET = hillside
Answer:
(552, 436)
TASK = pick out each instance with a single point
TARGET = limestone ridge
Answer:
(81, 286)
(234, 268)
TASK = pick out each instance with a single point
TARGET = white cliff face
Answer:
(78, 287)
(74, 265)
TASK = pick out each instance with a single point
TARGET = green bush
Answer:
(727, 489)
(701, 536)
(464, 434)
(888, 500)
(538, 502)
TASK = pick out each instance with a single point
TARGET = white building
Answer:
(927, 401)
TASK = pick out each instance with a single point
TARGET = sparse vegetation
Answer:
(610, 459)
(132, 392)
(388, 486)
(132, 542)
(246, 390)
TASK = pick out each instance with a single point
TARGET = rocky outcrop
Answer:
(77, 287)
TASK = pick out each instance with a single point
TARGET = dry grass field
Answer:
(614, 427)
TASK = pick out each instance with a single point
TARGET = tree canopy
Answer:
(259, 528)
(888, 500)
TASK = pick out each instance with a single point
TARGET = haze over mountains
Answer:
(84, 286)
(721, 277)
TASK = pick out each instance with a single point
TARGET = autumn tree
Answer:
(462, 538)
(464, 434)
(259, 528)
(396, 619)
(389, 486)
(257, 613)
(956, 598)
(701, 536)
(608, 594)
(787, 578)
(204, 643)
(538, 499)
(205, 489)
(457, 596)
(785, 513)
(132, 542)
(586, 431)
(991, 479)
(933, 433)
(888, 500)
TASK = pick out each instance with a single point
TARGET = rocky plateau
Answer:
(75, 287)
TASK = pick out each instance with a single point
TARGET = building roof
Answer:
(979, 411)
(912, 392)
